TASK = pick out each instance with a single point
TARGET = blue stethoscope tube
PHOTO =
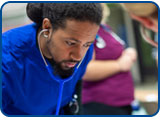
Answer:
(59, 80)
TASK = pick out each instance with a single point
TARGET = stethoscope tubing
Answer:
(59, 80)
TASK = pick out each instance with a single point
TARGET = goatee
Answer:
(59, 71)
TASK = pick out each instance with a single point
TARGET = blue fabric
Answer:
(27, 86)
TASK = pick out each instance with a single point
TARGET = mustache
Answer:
(74, 61)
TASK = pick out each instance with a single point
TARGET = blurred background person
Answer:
(145, 25)
(147, 15)
(108, 87)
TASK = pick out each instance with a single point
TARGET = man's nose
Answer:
(77, 54)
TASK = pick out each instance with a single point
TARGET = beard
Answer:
(58, 70)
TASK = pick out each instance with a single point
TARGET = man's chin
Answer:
(64, 72)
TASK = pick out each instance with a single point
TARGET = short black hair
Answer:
(58, 13)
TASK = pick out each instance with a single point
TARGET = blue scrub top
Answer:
(27, 87)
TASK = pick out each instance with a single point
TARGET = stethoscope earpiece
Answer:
(45, 30)
(60, 80)
(44, 35)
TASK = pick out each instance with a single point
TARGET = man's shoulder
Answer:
(18, 39)
(89, 53)
(88, 56)
(16, 42)
(18, 32)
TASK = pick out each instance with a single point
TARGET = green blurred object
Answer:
(146, 49)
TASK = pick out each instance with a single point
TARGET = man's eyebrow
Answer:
(91, 42)
(73, 39)
(76, 40)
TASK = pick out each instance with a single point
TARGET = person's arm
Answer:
(97, 69)
(100, 69)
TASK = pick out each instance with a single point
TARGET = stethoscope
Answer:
(58, 79)
(100, 41)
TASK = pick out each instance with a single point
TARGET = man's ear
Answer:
(146, 21)
(46, 24)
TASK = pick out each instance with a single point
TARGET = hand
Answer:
(127, 59)
(132, 52)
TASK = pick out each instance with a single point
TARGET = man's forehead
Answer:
(73, 24)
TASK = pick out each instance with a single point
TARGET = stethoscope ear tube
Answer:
(39, 45)
(59, 80)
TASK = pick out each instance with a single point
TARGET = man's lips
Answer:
(70, 64)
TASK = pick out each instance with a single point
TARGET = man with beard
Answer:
(42, 62)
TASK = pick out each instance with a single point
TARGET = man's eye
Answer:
(86, 45)
(70, 43)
